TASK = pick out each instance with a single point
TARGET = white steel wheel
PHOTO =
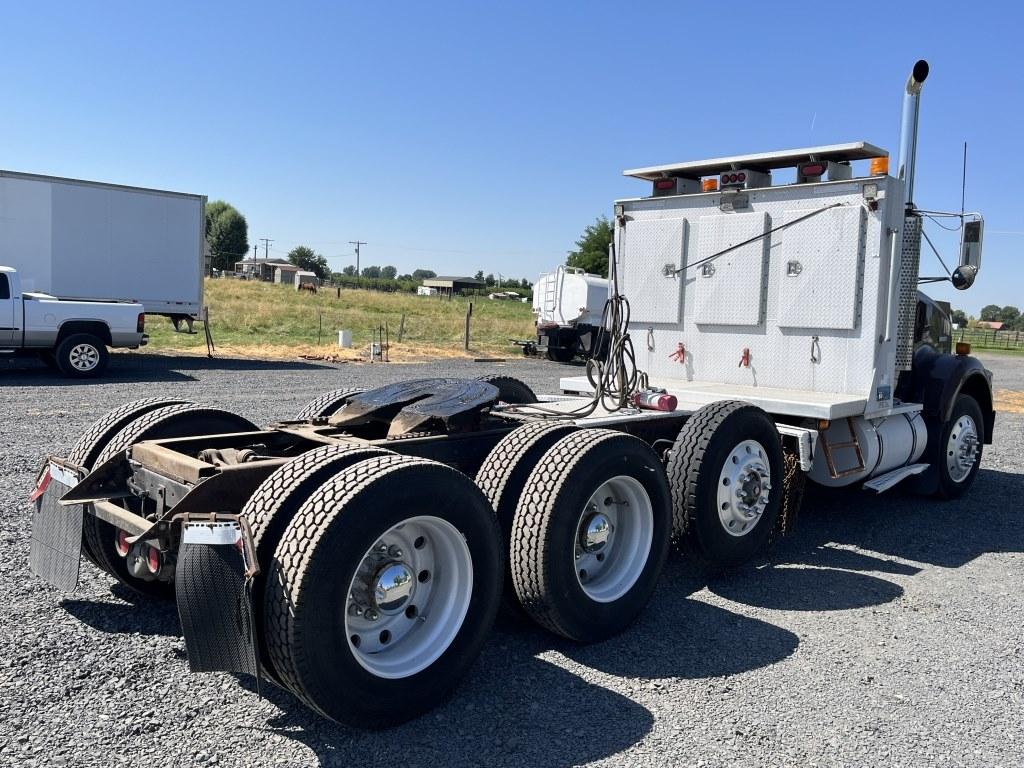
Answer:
(613, 539)
(83, 357)
(962, 448)
(744, 485)
(409, 597)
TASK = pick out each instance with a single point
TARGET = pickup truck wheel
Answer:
(383, 590)
(502, 477)
(726, 473)
(87, 447)
(327, 404)
(105, 541)
(591, 534)
(82, 355)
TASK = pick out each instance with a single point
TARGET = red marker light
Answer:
(741, 176)
(664, 184)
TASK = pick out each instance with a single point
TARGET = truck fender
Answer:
(936, 379)
(96, 328)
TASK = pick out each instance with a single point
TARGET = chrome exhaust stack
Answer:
(908, 128)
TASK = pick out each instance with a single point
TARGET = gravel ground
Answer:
(885, 631)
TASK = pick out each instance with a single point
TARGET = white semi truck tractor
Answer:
(759, 333)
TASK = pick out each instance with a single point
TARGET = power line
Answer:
(357, 243)
(266, 247)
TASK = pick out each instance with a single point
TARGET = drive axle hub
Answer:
(393, 586)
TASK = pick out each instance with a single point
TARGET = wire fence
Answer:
(983, 338)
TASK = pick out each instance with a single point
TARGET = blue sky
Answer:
(465, 136)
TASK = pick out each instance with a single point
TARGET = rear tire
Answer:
(273, 505)
(561, 354)
(85, 450)
(591, 534)
(82, 356)
(711, 522)
(327, 404)
(511, 390)
(160, 423)
(502, 478)
(382, 679)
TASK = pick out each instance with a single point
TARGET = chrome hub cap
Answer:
(743, 488)
(613, 539)
(962, 449)
(84, 357)
(409, 597)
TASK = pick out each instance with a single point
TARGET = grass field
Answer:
(268, 320)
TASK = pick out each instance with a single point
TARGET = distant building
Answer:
(450, 285)
(265, 269)
(991, 325)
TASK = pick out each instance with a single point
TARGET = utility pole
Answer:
(357, 243)
(266, 247)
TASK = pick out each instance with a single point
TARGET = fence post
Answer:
(401, 328)
(469, 314)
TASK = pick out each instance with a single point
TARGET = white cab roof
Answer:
(786, 158)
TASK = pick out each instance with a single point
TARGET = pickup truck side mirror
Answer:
(970, 255)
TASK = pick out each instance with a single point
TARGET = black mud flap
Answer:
(213, 580)
(56, 530)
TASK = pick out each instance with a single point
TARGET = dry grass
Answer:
(265, 320)
(1008, 401)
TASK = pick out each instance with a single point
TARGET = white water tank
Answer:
(569, 295)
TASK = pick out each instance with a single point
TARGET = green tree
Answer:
(959, 318)
(479, 275)
(372, 272)
(591, 254)
(423, 274)
(311, 261)
(1009, 315)
(389, 272)
(489, 280)
(227, 234)
(990, 312)
(349, 271)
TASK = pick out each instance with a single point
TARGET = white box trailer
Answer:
(88, 240)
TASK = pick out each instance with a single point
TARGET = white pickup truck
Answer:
(71, 336)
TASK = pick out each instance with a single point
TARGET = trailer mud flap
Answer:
(56, 549)
(213, 589)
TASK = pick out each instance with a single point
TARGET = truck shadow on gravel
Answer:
(513, 709)
(134, 614)
(845, 539)
(127, 368)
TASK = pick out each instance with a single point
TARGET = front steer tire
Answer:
(313, 576)
(695, 467)
(585, 474)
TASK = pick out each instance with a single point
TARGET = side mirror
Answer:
(970, 245)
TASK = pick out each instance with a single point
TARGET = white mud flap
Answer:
(56, 530)
(213, 581)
